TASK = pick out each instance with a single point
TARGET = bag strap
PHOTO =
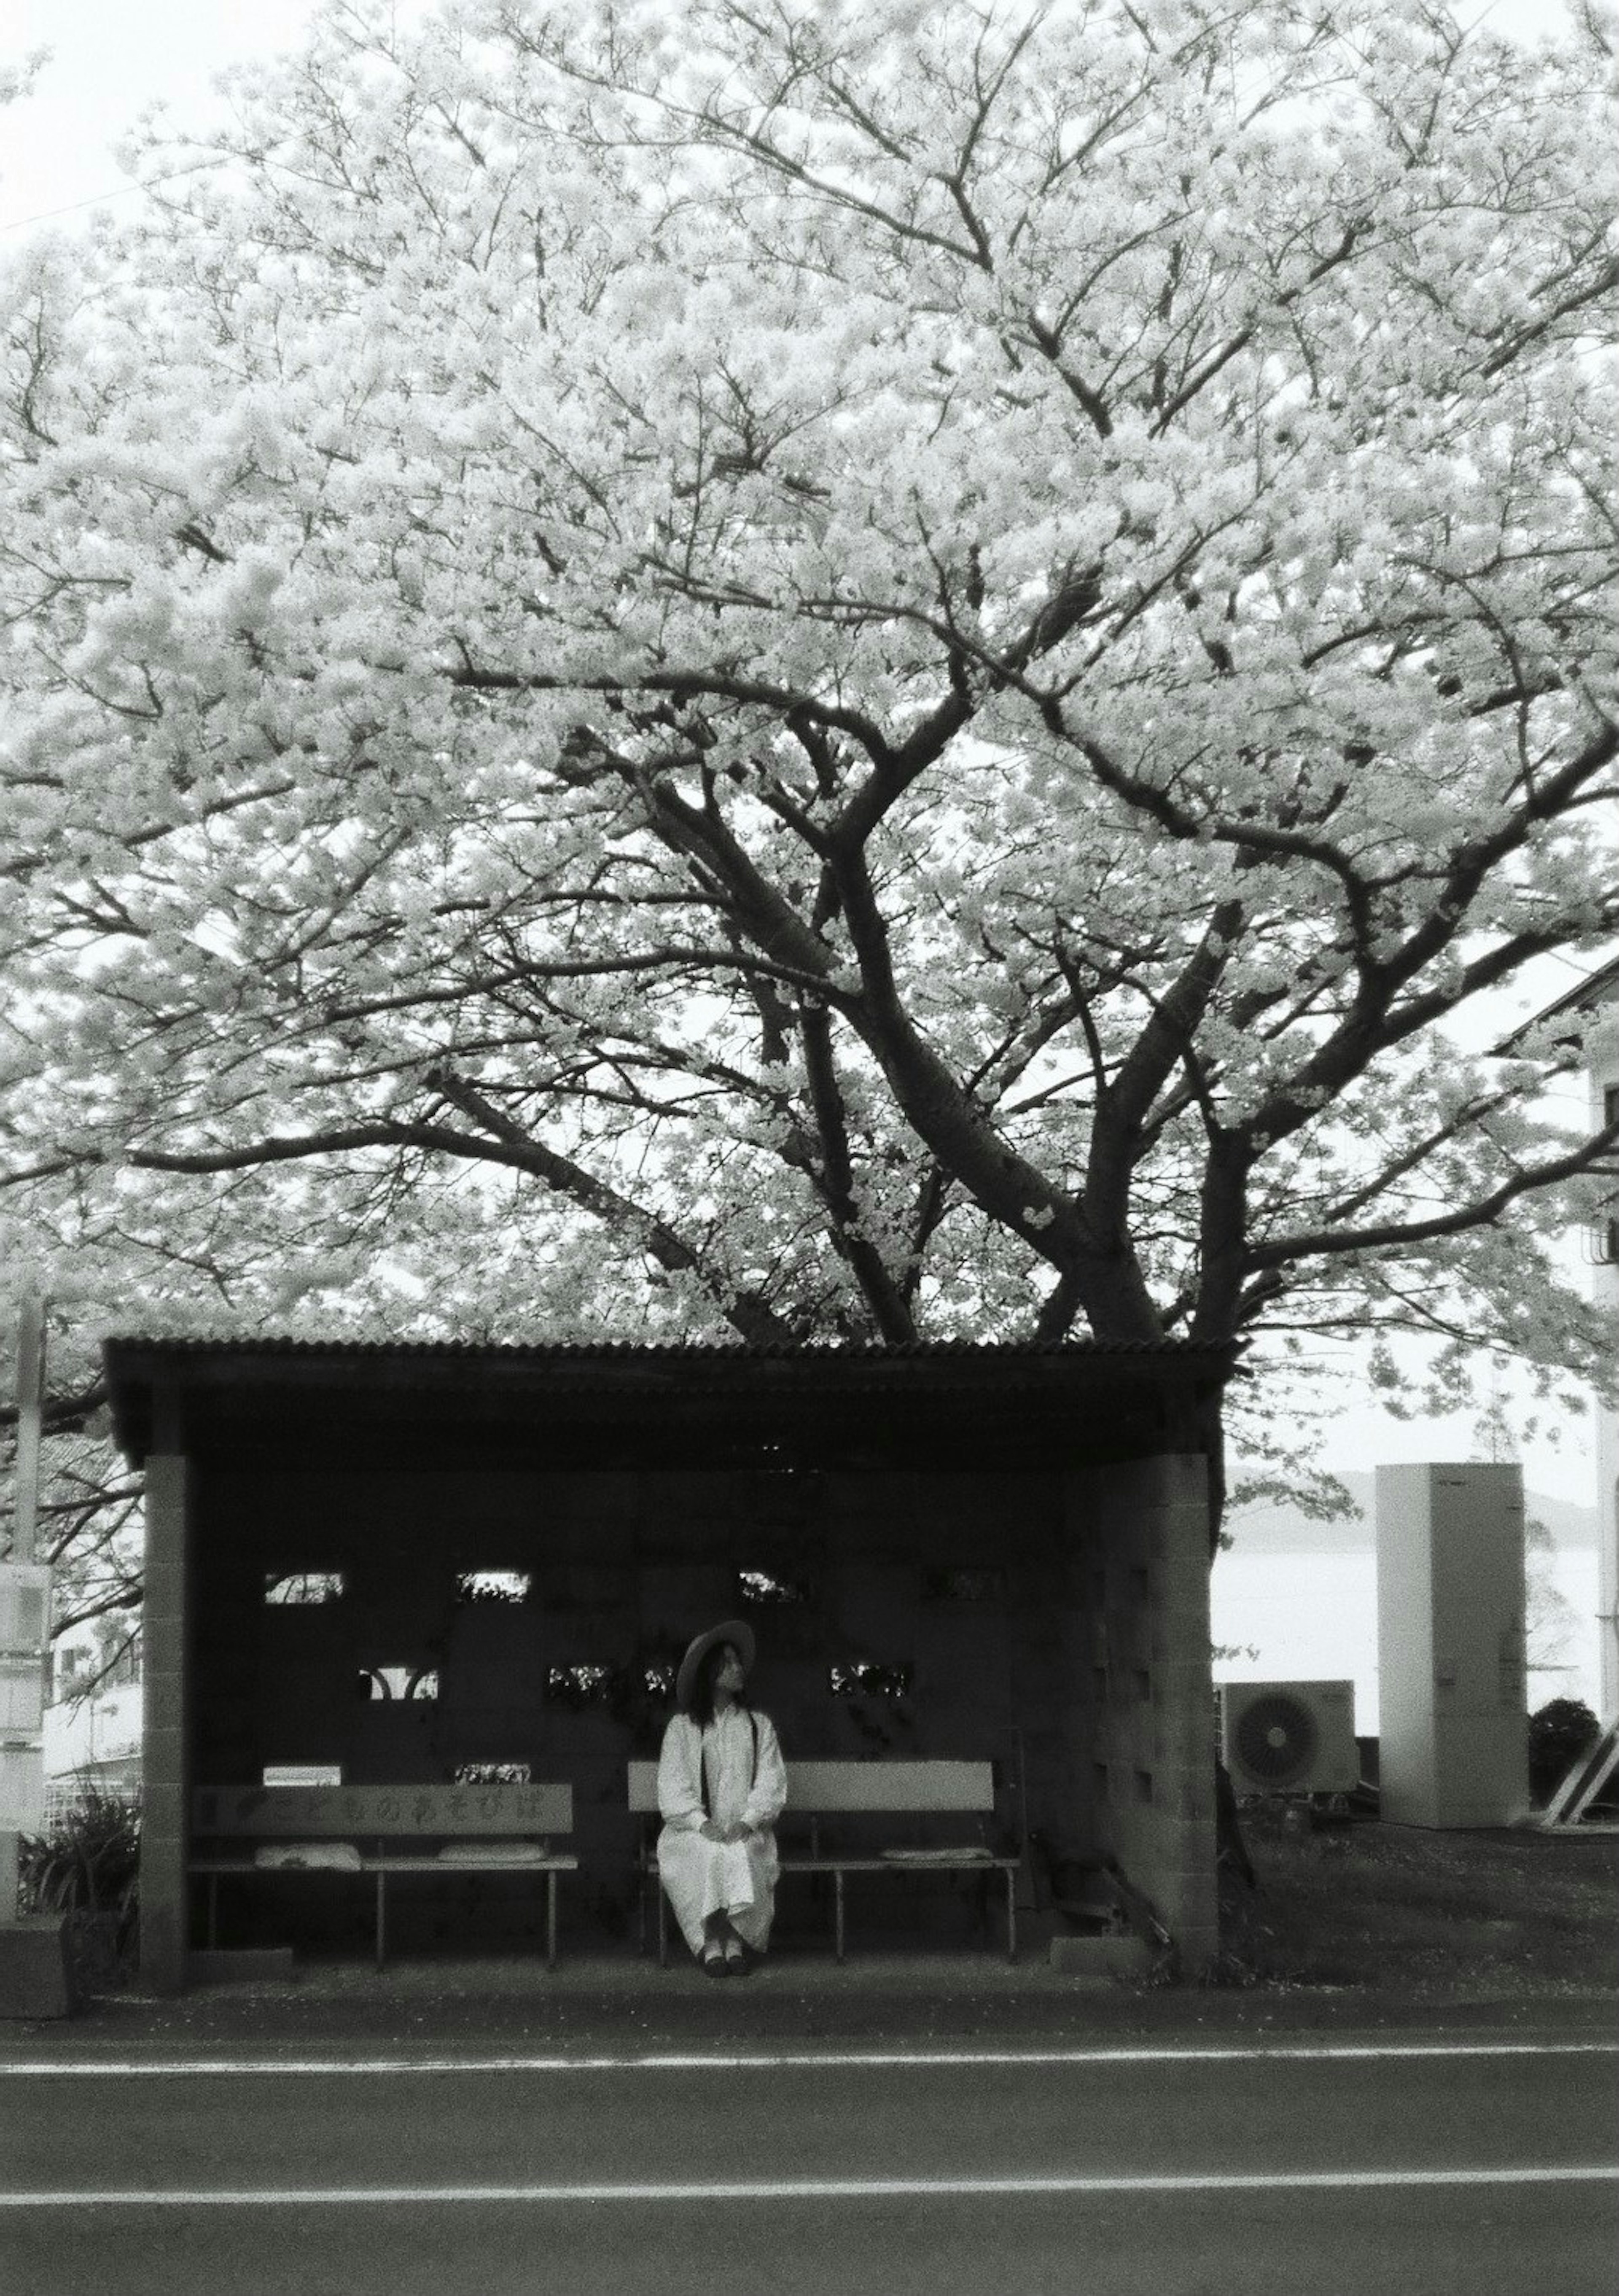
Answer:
(702, 1766)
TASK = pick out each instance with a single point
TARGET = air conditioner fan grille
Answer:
(1276, 1739)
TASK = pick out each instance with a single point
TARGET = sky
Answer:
(112, 59)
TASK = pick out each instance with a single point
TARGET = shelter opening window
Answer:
(299, 1586)
(864, 1678)
(582, 1685)
(659, 1681)
(493, 1585)
(377, 1683)
(759, 1586)
(493, 1774)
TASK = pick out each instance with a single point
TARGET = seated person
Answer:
(721, 1788)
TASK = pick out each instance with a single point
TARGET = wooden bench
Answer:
(375, 1819)
(818, 1790)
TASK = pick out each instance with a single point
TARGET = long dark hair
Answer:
(699, 1706)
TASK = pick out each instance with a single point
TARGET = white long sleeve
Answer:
(679, 1778)
(768, 1797)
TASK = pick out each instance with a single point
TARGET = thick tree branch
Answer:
(1323, 1244)
(751, 1315)
(890, 1310)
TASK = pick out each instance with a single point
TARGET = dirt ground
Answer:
(1488, 1914)
(1354, 1925)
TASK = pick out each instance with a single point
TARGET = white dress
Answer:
(736, 1878)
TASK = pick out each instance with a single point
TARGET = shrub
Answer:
(1559, 1731)
(86, 1865)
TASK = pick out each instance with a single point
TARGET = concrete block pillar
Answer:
(1152, 1704)
(165, 1764)
(1453, 1736)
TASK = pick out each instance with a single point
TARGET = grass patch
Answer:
(1488, 1914)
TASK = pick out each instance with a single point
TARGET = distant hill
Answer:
(1282, 1529)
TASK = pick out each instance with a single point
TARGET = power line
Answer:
(100, 198)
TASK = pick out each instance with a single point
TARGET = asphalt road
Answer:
(1326, 2165)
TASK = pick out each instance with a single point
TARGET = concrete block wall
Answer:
(1142, 1543)
(166, 1722)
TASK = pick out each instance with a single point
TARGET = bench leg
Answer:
(838, 1908)
(213, 1911)
(663, 1929)
(381, 1921)
(550, 1921)
(1011, 1916)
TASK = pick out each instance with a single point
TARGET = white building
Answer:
(92, 1735)
(1592, 1011)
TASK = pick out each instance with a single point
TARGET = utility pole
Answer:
(36, 1975)
(25, 1607)
(30, 1409)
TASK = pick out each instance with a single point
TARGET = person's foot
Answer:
(736, 1956)
(713, 1959)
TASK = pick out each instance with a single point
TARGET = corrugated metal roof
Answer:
(633, 1350)
(563, 1386)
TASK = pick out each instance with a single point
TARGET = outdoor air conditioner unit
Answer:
(1289, 1737)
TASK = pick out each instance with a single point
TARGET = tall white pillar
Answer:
(1452, 1732)
(1602, 1057)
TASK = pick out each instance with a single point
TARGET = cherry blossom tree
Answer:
(841, 672)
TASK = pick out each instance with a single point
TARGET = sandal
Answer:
(713, 1959)
(736, 1956)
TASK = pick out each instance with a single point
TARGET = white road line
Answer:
(830, 2188)
(762, 2061)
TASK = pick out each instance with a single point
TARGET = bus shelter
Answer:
(401, 1564)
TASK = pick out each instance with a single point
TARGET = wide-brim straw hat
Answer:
(734, 1631)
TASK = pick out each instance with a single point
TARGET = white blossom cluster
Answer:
(833, 672)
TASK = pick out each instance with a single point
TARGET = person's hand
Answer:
(712, 1831)
(738, 1833)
